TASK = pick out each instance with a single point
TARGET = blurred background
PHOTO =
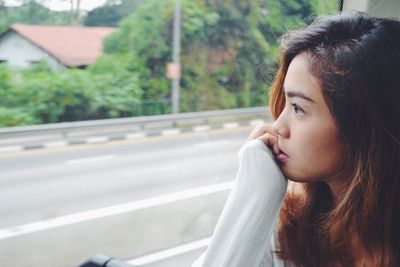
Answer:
(228, 57)
(120, 121)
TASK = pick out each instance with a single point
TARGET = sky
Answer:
(64, 4)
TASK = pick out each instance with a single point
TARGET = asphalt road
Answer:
(127, 199)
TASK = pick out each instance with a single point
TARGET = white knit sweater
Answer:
(244, 234)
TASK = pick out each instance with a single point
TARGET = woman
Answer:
(336, 137)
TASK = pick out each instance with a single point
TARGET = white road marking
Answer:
(201, 128)
(113, 210)
(230, 125)
(10, 148)
(135, 135)
(170, 131)
(89, 160)
(55, 144)
(97, 139)
(168, 253)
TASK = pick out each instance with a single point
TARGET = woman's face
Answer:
(306, 130)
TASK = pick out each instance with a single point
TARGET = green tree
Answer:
(31, 12)
(146, 46)
(39, 95)
(111, 13)
(103, 16)
(229, 48)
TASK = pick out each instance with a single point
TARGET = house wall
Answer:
(19, 52)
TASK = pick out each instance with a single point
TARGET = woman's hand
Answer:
(265, 133)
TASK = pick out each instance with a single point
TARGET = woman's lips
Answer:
(280, 155)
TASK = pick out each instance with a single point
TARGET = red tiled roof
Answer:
(72, 46)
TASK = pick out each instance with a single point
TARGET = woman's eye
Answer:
(297, 109)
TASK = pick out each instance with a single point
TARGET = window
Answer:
(100, 163)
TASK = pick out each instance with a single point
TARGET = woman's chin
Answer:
(295, 178)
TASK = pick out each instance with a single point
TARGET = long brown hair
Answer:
(356, 59)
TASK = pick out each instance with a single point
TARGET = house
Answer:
(61, 46)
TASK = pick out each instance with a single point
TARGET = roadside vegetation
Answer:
(228, 56)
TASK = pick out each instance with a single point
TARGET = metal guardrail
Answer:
(173, 120)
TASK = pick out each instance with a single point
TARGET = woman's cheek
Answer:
(301, 165)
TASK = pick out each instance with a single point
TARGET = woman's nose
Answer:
(280, 128)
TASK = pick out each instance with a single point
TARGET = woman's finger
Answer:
(260, 130)
(268, 139)
(275, 148)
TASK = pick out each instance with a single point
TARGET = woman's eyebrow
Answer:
(297, 94)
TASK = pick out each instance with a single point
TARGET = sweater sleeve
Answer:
(244, 230)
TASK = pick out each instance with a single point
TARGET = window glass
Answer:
(116, 139)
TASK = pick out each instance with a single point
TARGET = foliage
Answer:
(31, 13)
(229, 48)
(15, 117)
(111, 13)
(72, 95)
(147, 46)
